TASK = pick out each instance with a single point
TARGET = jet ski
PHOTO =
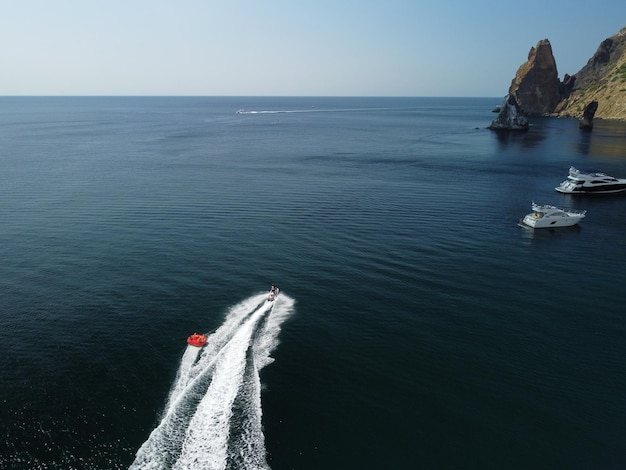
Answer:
(273, 293)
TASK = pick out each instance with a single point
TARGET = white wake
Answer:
(212, 418)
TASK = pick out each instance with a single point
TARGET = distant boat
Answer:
(590, 182)
(240, 111)
(547, 216)
(197, 340)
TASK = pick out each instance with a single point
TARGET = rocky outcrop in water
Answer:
(536, 85)
(538, 91)
(510, 118)
(586, 123)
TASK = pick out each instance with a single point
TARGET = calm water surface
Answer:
(419, 326)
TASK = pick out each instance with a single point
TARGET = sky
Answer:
(289, 47)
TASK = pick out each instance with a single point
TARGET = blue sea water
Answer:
(418, 325)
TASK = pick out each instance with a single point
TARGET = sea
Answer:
(417, 325)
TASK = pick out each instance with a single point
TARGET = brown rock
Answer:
(602, 79)
(538, 91)
(536, 83)
(586, 123)
(603, 53)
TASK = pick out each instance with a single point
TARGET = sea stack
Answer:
(586, 123)
(536, 85)
(510, 118)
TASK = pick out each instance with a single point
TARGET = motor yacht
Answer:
(590, 182)
(547, 216)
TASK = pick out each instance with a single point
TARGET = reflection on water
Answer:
(549, 233)
(606, 139)
(584, 145)
(526, 139)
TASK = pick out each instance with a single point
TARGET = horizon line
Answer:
(244, 96)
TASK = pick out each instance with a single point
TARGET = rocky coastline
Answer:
(598, 90)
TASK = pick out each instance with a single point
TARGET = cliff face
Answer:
(538, 90)
(536, 83)
(602, 79)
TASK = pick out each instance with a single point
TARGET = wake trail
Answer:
(189, 359)
(206, 440)
(215, 342)
(246, 449)
(198, 421)
(312, 110)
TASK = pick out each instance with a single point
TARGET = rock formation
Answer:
(602, 79)
(566, 86)
(538, 91)
(511, 117)
(586, 123)
(536, 85)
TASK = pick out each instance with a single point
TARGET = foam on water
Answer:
(213, 414)
(182, 376)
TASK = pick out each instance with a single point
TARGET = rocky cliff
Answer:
(602, 79)
(536, 83)
(538, 90)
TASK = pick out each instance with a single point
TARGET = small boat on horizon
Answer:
(547, 216)
(197, 340)
(590, 182)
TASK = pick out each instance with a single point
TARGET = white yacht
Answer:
(589, 182)
(546, 216)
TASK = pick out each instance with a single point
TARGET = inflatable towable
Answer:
(197, 340)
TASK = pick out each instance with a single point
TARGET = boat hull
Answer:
(590, 182)
(596, 190)
(547, 216)
(531, 222)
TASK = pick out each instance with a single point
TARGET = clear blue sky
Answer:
(290, 47)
